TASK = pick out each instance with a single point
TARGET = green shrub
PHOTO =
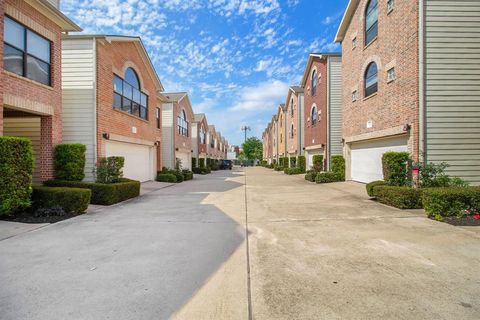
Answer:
(291, 171)
(370, 187)
(194, 162)
(69, 162)
(448, 202)
(338, 166)
(201, 170)
(187, 174)
(327, 177)
(16, 168)
(293, 162)
(201, 162)
(278, 167)
(432, 175)
(177, 173)
(166, 177)
(110, 169)
(71, 200)
(318, 162)
(301, 163)
(399, 197)
(396, 168)
(103, 193)
(311, 175)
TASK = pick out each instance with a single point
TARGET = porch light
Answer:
(105, 135)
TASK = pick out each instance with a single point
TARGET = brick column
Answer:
(46, 148)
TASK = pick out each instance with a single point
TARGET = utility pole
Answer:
(245, 128)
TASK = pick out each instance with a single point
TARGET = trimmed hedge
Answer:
(399, 197)
(452, 201)
(110, 169)
(187, 175)
(327, 177)
(317, 162)
(311, 175)
(395, 168)
(194, 162)
(103, 193)
(338, 166)
(370, 187)
(302, 163)
(69, 162)
(177, 173)
(291, 171)
(71, 200)
(201, 170)
(166, 177)
(292, 162)
(16, 168)
(201, 162)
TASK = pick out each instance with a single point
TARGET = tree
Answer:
(253, 149)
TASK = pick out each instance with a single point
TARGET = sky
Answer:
(235, 58)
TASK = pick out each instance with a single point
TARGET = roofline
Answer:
(53, 13)
(310, 61)
(347, 17)
(120, 38)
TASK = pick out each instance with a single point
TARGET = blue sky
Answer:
(236, 58)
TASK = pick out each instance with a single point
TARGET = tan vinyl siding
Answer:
(452, 86)
(78, 97)
(335, 106)
(26, 127)
(168, 143)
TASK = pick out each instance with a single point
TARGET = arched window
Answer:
(131, 78)
(291, 107)
(291, 131)
(202, 135)
(371, 21)
(127, 95)
(314, 115)
(314, 83)
(182, 124)
(371, 79)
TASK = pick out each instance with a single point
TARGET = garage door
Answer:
(139, 159)
(366, 157)
(185, 157)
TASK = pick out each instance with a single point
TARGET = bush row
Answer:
(291, 171)
(70, 200)
(201, 170)
(311, 175)
(399, 197)
(328, 177)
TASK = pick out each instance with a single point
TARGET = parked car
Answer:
(226, 164)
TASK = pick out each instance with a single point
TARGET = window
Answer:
(354, 95)
(314, 83)
(26, 53)
(128, 97)
(291, 108)
(182, 124)
(314, 116)
(391, 74)
(157, 115)
(390, 5)
(291, 131)
(371, 21)
(354, 42)
(371, 79)
(281, 138)
(202, 135)
(212, 143)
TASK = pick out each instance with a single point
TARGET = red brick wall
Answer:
(30, 90)
(202, 148)
(292, 142)
(115, 57)
(319, 131)
(396, 103)
(182, 142)
(2, 13)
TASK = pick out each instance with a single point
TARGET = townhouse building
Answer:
(30, 76)
(112, 102)
(199, 136)
(274, 137)
(212, 133)
(294, 106)
(321, 83)
(410, 83)
(282, 131)
(177, 117)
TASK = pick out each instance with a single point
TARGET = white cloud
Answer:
(266, 95)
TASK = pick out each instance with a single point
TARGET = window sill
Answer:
(390, 81)
(28, 80)
(370, 96)
(370, 43)
(130, 115)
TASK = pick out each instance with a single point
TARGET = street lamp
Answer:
(245, 128)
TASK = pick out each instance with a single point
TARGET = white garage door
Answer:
(185, 158)
(139, 159)
(366, 161)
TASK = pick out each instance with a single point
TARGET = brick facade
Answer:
(182, 143)
(36, 99)
(293, 123)
(396, 103)
(282, 131)
(202, 147)
(316, 135)
(114, 58)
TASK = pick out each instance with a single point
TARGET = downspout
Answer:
(95, 99)
(422, 132)
(327, 147)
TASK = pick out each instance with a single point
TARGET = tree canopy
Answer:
(253, 149)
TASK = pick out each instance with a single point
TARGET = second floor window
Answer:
(314, 83)
(26, 53)
(182, 124)
(157, 116)
(127, 95)
(371, 79)
(291, 131)
(371, 21)
(314, 116)
(202, 135)
(291, 108)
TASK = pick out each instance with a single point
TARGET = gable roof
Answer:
(311, 57)
(136, 40)
(54, 14)
(198, 117)
(293, 89)
(174, 96)
(347, 17)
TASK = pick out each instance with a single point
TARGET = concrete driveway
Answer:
(314, 252)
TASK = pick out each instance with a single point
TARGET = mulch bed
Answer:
(465, 221)
(28, 217)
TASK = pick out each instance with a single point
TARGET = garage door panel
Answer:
(366, 157)
(138, 159)
(185, 158)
